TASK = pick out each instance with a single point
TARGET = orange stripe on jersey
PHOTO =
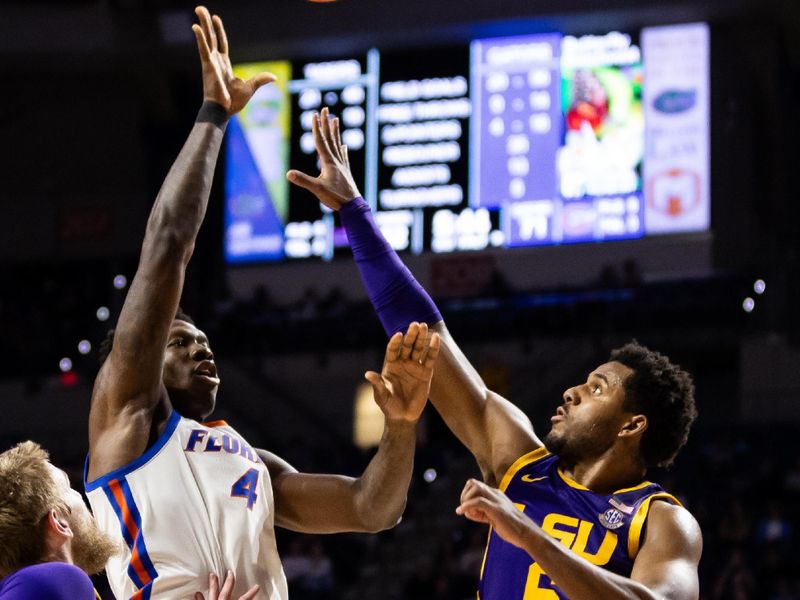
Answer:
(127, 518)
(133, 531)
(218, 423)
(138, 566)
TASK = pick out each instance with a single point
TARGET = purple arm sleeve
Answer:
(397, 297)
(47, 581)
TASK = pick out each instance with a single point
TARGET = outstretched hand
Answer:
(214, 593)
(402, 387)
(484, 504)
(334, 186)
(219, 83)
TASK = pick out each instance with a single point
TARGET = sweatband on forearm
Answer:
(211, 112)
(397, 297)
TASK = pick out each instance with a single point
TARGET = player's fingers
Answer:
(323, 148)
(227, 587)
(467, 492)
(208, 28)
(304, 181)
(199, 596)
(394, 347)
(408, 340)
(325, 123)
(213, 586)
(202, 43)
(345, 157)
(474, 510)
(432, 351)
(378, 387)
(336, 140)
(420, 343)
(261, 79)
(219, 31)
(251, 593)
(337, 132)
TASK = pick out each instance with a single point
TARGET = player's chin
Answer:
(554, 441)
(205, 382)
(203, 398)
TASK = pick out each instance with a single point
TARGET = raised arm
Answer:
(664, 569)
(128, 388)
(493, 429)
(375, 501)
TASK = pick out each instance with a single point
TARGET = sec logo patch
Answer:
(612, 519)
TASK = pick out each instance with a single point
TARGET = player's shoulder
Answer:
(48, 581)
(536, 461)
(673, 522)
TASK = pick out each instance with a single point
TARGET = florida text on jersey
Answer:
(198, 501)
(603, 529)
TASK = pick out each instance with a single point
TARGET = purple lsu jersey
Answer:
(603, 529)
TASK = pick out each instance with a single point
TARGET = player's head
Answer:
(190, 373)
(42, 518)
(638, 401)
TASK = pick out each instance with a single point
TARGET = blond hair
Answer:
(27, 494)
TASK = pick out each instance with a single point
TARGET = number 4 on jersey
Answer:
(245, 487)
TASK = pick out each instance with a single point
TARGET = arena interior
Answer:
(698, 257)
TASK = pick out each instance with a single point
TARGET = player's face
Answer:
(91, 548)
(190, 373)
(592, 415)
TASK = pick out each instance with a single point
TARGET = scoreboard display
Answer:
(501, 143)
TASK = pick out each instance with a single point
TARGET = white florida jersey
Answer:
(198, 501)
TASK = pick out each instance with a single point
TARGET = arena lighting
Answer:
(748, 305)
(84, 346)
(760, 286)
(103, 313)
(429, 475)
(65, 364)
(120, 281)
(68, 379)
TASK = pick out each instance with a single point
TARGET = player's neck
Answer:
(62, 553)
(613, 470)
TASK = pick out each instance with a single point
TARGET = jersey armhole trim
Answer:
(217, 423)
(635, 531)
(522, 461)
(172, 424)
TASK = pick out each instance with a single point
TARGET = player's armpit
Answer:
(492, 428)
(668, 560)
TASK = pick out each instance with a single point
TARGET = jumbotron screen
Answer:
(501, 143)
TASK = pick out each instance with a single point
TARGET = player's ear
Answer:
(635, 425)
(58, 525)
(57, 532)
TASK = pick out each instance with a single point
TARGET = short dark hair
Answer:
(664, 393)
(105, 346)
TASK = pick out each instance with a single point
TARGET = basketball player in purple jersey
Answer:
(184, 497)
(573, 516)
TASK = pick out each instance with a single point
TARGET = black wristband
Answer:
(213, 113)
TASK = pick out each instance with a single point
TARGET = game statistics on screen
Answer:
(504, 142)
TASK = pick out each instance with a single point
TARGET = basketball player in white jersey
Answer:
(186, 497)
